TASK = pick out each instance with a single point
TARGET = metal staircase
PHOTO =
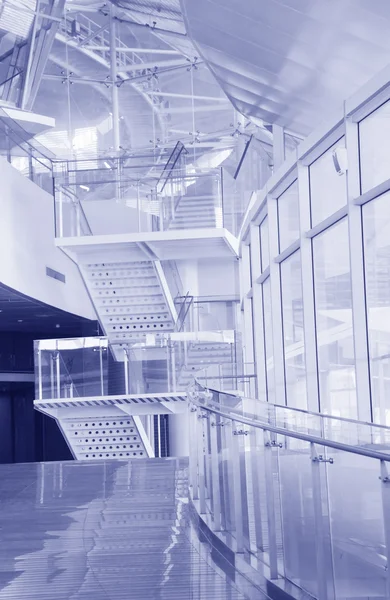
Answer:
(195, 212)
(130, 299)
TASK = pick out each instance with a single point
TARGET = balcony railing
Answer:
(301, 497)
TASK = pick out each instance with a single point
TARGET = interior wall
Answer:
(27, 242)
(210, 277)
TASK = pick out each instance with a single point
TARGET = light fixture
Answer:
(20, 320)
(85, 187)
(107, 165)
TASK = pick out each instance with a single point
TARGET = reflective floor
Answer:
(103, 531)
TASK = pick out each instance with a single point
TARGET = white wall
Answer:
(27, 246)
(210, 277)
(218, 277)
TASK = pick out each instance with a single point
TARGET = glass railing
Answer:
(25, 154)
(91, 367)
(293, 502)
(126, 195)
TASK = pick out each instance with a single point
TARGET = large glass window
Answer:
(264, 244)
(374, 136)
(268, 340)
(294, 350)
(328, 189)
(376, 224)
(333, 298)
(288, 216)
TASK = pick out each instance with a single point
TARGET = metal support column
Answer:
(40, 394)
(114, 78)
(215, 422)
(58, 374)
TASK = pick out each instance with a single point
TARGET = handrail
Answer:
(174, 157)
(252, 421)
(285, 407)
(184, 307)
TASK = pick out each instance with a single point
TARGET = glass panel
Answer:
(264, 244)
(293, 334)
(288, 216)
(376, 227)
(268, 340)
(296, 492)
(357, 531)
(335, 348)
(328, 189)
(374, 137)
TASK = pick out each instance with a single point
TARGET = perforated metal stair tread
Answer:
(143, 399)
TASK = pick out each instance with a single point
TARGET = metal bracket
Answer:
(193, 409)
(240, 432)
(273, 444)
(384, 479)
(203, 416)
(215, 424)
(321, 459)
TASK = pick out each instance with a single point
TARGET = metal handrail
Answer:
(176, 153)
(184, 307)
(251, 421)
(289, 408)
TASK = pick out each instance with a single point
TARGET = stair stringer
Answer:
(131, 297)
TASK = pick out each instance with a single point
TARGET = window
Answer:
(376, 224)
(333, 298)
(374, 137)
(268, 340)
(288, 216)
(264, 245)
(328, 189)
(293, 337)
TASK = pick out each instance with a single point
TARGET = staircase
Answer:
(105, 437)
(201, 355)
(196, 212)
(129, 300)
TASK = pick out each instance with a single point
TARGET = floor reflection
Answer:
(111, 530)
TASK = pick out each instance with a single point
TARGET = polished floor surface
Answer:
(104, 530)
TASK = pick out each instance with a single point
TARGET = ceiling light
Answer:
(85, 187)
(20, 320)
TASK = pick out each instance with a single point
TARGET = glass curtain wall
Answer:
(268, 340)
(293, 334)
(376, 230)
(330, 250)
(333, 301)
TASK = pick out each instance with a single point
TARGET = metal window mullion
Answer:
(276, 303)
(309, 318)
(358, 289)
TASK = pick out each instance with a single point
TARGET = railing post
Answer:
(255, 446)
(193, 422)
(138, 208)
(215, 422)
(101, 370)
(58, 374)
(201, 464)
(238, 508)
(269, 444)
(126, 370)
(40, 387)
(385, 479)
(322, 574)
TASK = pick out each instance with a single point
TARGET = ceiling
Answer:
(290, 62)
(19, 313)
